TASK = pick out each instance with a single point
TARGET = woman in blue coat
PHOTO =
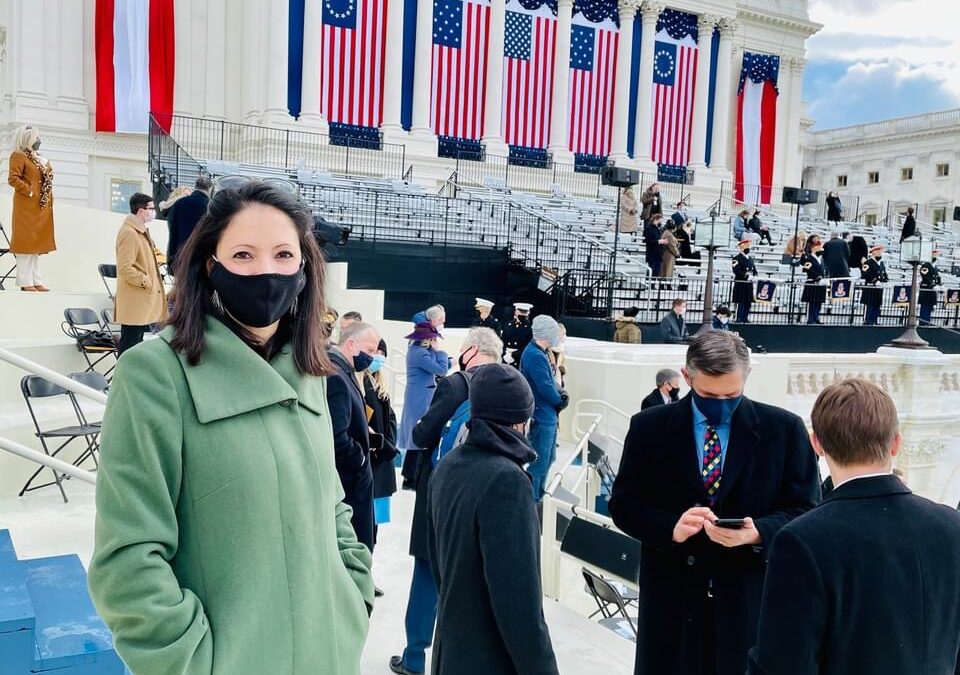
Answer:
(425, 363)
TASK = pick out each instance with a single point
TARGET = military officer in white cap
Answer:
(485, 317)
(517, 334)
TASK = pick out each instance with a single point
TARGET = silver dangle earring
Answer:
(215, 299)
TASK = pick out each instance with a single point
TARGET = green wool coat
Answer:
(222, 543)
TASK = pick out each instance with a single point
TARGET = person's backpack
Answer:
(455, 430)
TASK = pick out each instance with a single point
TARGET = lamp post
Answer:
(914, 250)
(715, 240)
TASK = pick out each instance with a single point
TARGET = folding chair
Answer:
(95, 381)
(34, 387)
(109, 324)
(5, 251)
(82, 324)
(108, 271)
(606, 596)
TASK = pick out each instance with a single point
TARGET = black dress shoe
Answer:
(396, 665)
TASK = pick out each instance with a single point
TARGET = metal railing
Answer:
(70, 385)
(736, 197)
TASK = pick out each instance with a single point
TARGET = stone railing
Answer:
(900, 125)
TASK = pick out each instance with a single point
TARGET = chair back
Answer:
(107, 270)
(92, 379)
(81, 317)
(34, 386)
(604, 589)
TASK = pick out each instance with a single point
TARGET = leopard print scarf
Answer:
(46, 178)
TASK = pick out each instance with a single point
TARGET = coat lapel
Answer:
(742, 446)
(681, 424)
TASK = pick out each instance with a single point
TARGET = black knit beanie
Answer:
(498, 393)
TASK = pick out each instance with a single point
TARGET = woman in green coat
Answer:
(222, 543)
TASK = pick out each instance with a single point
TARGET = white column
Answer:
(214, 93)
(493, 105)
(252, 83)
(793, 168)
(721, 115)
(310, 109)
(184, 59)
(649, 12)
(277, 37)
(420, 129)
(393, 74)
(560, 107)
(701, 98)
(70, 98)
(621, 96)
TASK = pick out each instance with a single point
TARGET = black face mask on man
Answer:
(463, 359)
(362, 361)
(256, 300)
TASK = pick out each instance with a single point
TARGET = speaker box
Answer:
(603, 549)
(795, 195)
(619, 176)
(956, 212)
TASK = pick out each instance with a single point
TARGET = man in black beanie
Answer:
(485, 540)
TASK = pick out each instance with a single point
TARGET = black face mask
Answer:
(362, 361)
(256, 300)
(463, 359)
(746, 251)
(674, 394)
(36, 146)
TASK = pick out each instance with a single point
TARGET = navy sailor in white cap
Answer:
(485, 317)
(517, 334)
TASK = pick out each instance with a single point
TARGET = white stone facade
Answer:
(232, 64)
(891, 165)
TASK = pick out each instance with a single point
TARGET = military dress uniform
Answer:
(874, 273)
(516, 336)
(743, 272)
(929, 280)
(814, 294)
(491, 322)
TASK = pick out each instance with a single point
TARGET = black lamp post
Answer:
(712, 244)
(913, 250)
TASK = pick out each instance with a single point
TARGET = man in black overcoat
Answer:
(867, 582)
(714, 454)
(183, 217)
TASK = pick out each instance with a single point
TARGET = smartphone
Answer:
(376, 441)
(730, 523)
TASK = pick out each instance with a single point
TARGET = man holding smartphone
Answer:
(705, 484)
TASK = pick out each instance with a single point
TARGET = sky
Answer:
(876, 59)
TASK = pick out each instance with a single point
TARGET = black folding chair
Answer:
(4, 252)
(95, 381)
(108, 271)
(34, 387)
(606, 596)
(110, 324)
(94, 340)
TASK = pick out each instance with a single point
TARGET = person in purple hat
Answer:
(425, 363)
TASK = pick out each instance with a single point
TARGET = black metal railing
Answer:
(591, 293)
(734, 198)
(218, 140)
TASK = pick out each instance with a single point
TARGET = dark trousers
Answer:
(421, 616)
(873, 313)
(925, 312)
(765, 234)
(813, 312)
(130, 336)
(743, 311)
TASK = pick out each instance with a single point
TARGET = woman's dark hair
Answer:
(193, 291)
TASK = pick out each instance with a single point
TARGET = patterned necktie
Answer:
(711, 464)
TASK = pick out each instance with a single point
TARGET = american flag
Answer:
(461, 33)
(674, 77)
(593, 67)
(353, 46)
(530, 43)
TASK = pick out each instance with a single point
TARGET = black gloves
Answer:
(564, 401)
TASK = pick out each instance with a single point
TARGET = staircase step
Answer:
(70, 637)
(17, 620)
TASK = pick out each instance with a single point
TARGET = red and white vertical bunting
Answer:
(134, 44)
(756, 128)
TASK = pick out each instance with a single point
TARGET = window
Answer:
(873, 177)
(842, 180)
(120, 193)
(906, 173)
(943, 170)
(940, 214)
(870, 219)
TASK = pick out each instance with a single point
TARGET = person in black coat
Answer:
(866, 582)
(485, 317)
(651, 243)
(834, 207)
(480, 347)
(351, 431)
(184, 215)
(667, 391)
(836, 257)
(858, 252)
(714, 454)
(485, 540)
(874, 273)
(383, 421)
(743, 272)
(814, 294)
(673, 329)
(929, 280)
(909, 225)
(685, 235)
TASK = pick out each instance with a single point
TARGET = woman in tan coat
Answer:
(140, 299)
(628, 212)
(669, 250)
(31, 177)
